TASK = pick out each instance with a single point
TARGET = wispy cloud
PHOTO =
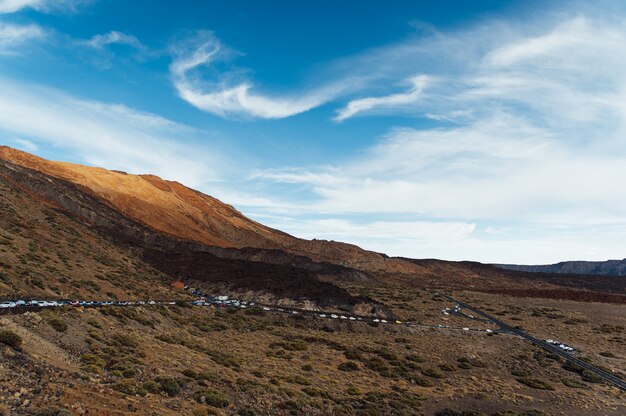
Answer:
(12, 6)
(222, 97)
(104, 134)
(114, 37)
(13, 35)
(388, 102)
(532, 137)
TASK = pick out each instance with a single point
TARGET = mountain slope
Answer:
(605, 268)
(273, 275)
(176, 210)
(184, 234)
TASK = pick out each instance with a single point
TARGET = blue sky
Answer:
(490, 131)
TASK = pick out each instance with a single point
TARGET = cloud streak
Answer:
(12, 6)
(389, 102)
(12, 35)
(101, 134)
(239, 99)
(114, 37)
(531, 137)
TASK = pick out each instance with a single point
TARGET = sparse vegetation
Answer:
(10, 338)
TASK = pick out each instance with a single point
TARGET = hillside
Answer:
(183, 233)
(176, 210)
(605, 268)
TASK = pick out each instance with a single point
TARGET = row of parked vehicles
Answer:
(36, 303)
(224, 301)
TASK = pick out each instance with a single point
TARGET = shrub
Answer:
(124, 340)
(447, 367)
(92, 359)
(91, 368)
(151, 386)
(354, 391)
(587, 375)
(448, 412)
(432, 373)
(299, 380)
(421, 381)
(10, 338)
(307, 367)
(415, 358)
(94, 323)
(168, 385)
(95, 335)
(573, 383)
(348, 366)
(53, 412)
(58, 324)
(352, 354)
(211, 397)
(535, 383)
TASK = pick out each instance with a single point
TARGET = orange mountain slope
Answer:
(174, 209)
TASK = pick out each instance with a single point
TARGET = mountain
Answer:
(604, 268)
(179, 233)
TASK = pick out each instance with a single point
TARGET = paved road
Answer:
(610, 377)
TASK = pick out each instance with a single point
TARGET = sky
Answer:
(490, 130)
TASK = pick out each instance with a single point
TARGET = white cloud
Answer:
(113, 37)
(12, 6)
(532, 137)
(109, 135)
(226, 98)
(361, 105)
(12, 35)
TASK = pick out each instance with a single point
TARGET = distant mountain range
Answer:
(605, 268)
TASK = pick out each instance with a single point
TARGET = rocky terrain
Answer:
(76, 232)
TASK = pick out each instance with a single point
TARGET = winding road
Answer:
(504, 327)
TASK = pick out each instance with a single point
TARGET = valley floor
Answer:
(177, 360)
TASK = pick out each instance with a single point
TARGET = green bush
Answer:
(211, 397)
(10, 338)
(573, 383)
(52, 412)
(299, 380)
(58, 324)
(448, 412)
(348, 366)
(535, 383)
(421, 381)
(151, 386)
(587, 375)
(124, 340)
(168, 385)
(354, 391)
(92, 359)
(447, 367)
(307, 367)
(432, 373)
